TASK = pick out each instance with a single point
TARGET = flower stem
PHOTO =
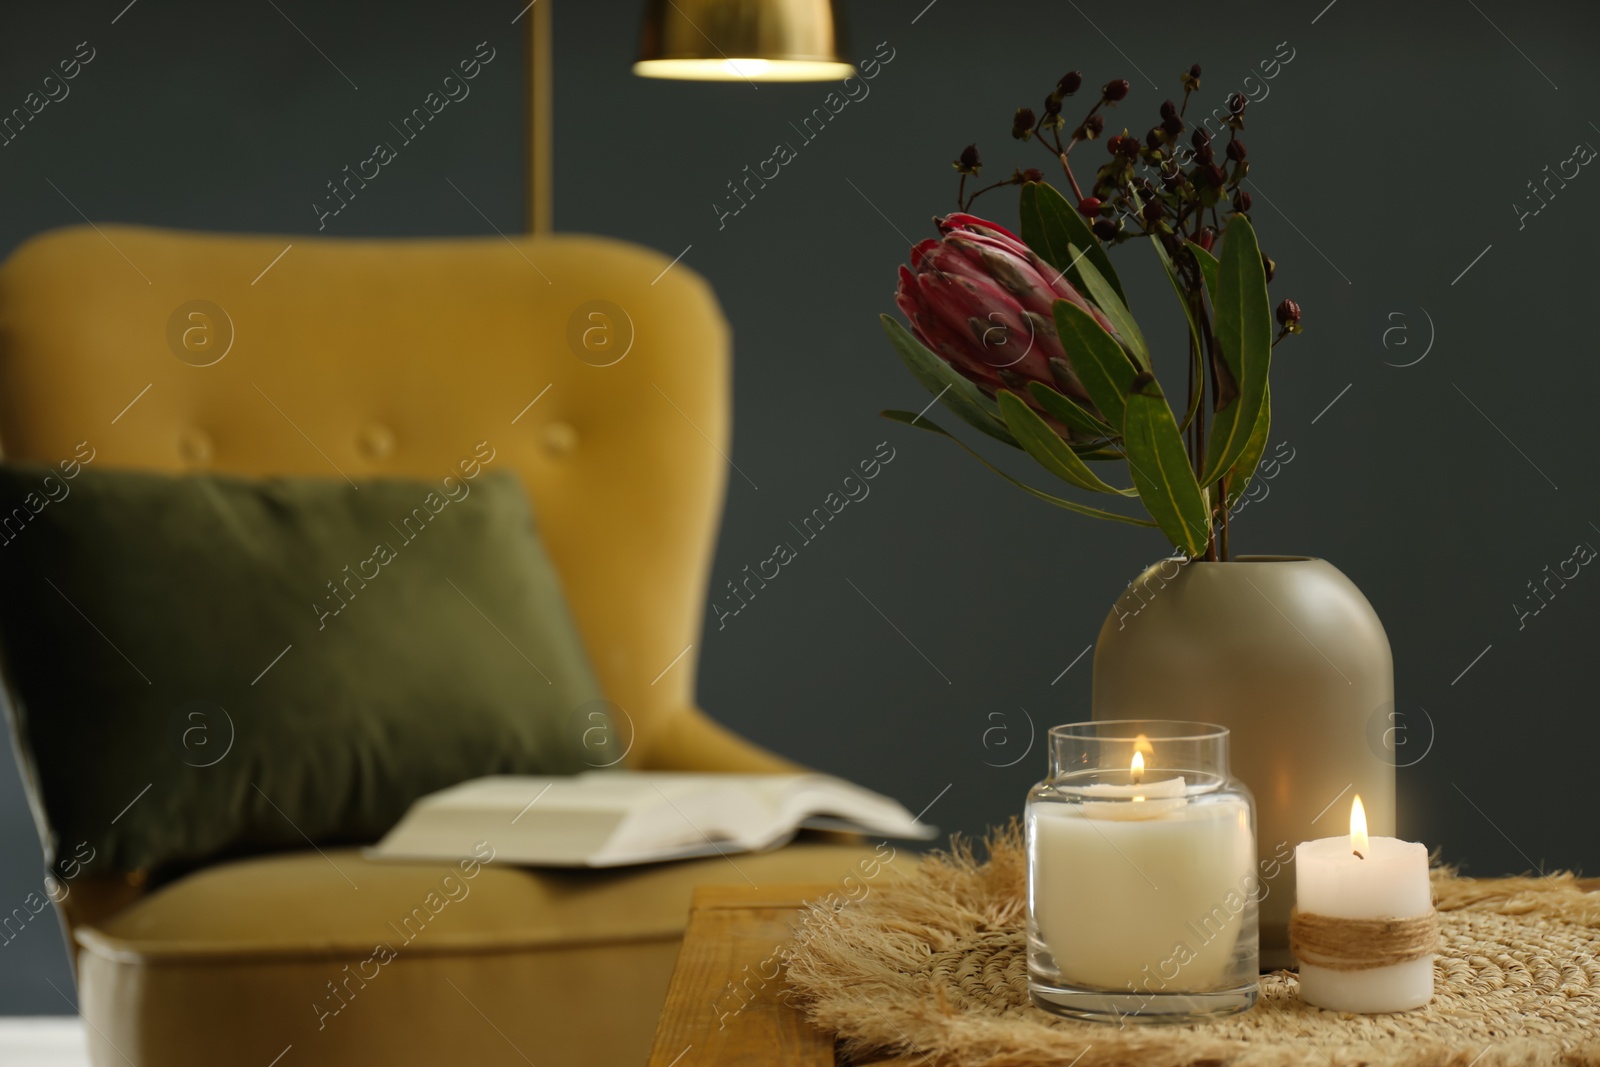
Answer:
(1189, 395)
(1222, 495)
(1074, 181)
(967, 206)
(1200, 417)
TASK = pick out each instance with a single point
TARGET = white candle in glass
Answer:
(1358, 877)
(1144, 888)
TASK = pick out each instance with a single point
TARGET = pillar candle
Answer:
(1357, 877)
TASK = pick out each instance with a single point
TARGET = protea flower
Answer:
(981, 300)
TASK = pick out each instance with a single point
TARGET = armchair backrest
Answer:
(595, 369)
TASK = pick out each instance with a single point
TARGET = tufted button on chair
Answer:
(194, 447)
(559, 439)
(177, 351)
(376, 442)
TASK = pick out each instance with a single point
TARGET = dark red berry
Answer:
(1169, 110)
(1089, 206)
(1105, 229)
(1288, 314)
(1069, 83)
(1115, 90)
(1236, 150)
(1242, 200)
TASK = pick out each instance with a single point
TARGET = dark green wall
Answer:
(1398, 140)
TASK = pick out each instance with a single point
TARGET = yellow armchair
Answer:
(357, 358)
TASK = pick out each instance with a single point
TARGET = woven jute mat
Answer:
(935, 964)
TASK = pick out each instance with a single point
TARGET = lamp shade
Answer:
(742, 40)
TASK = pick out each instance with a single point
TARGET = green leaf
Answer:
(1161, 470)
(1051, 227)
(1106, 298)
(1208, 274)
(1177, 287)
(1197, 376)
(1244, 332)
(1209, 268)
(1052, 453)
(1102, 365)
(1237, 480)
(939, 378)
(1197, 387)
(1066, 410)
(922, 423)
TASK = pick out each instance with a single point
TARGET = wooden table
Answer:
(723, 1006)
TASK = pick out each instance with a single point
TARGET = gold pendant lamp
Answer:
(742, 40)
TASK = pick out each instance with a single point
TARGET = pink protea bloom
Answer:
(981, 300)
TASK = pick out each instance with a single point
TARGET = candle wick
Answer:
(1357, 855)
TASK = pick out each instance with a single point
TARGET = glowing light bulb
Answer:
(748, 68)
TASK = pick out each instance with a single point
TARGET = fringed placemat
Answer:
(935, 965)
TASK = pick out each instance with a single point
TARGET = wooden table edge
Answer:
(754, 1025)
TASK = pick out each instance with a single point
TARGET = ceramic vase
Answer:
(1286, 653)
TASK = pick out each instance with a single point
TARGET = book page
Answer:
(614, 817)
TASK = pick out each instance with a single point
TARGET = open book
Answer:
(614, 818)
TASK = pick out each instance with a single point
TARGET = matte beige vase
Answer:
(1286, 653)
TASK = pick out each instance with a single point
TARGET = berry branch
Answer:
(1180, 192)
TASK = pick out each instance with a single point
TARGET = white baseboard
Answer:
(42, 1041)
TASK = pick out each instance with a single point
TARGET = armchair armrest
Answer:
(689, 740)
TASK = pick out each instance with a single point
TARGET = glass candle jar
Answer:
(1142, 877)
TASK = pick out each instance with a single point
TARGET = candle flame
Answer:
(1358, 829)
(1138, 767)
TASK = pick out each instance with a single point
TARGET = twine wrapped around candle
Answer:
(1361, 944)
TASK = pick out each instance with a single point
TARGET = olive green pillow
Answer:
(205, 665)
